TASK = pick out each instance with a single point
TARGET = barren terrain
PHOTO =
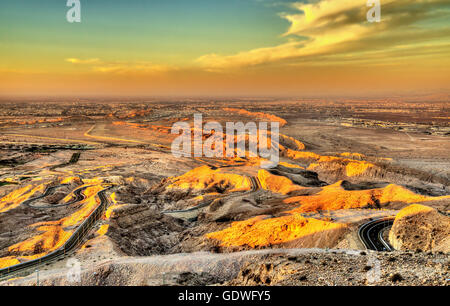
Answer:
(343, 163)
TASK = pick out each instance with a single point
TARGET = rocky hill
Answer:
(419, 227)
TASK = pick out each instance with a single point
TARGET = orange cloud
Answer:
(122, 67)
(82, 61)
(333, 27)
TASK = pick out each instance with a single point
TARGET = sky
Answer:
(224, 48)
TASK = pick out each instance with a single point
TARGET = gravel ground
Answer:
(297, 267)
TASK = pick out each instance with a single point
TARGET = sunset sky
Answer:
(224, 48)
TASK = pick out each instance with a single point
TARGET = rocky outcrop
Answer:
(141, 230)
(419, 227)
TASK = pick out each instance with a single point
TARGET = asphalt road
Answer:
(371, 234)
(191, 214)
(79, 196)
(73, 160)
(67, 249)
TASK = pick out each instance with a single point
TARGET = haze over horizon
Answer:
(224, 48)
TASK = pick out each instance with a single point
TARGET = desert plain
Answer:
(360, 195)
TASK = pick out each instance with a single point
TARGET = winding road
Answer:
(191, 214)
(69, 246)
(78, 193)
(50, 189)
(371, 234)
